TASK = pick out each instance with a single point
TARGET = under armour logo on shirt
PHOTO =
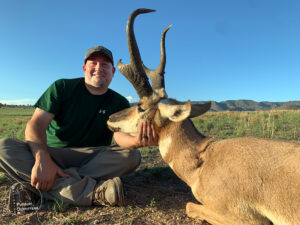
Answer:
(102, 111)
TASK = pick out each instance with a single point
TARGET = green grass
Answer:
(13, 121)
(3, 178)
(276, 124)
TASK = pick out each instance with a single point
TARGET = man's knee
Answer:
(4, 146)
(134, 158)
(12, 149)
(7, 145)
(16, 159)
(129, 160)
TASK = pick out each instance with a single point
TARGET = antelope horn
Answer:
(157, 76)
(134, 71)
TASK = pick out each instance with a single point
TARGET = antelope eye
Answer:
(140, 109)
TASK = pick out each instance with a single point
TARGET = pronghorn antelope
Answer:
(237, 181)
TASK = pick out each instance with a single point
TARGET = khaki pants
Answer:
(86, 166)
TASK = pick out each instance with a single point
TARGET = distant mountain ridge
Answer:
(250, 105)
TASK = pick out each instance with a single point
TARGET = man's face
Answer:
(98, 72)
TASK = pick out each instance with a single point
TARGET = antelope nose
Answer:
(110, 118)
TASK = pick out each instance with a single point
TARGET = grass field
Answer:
(13, 121)
(276, 124)
(155, 195)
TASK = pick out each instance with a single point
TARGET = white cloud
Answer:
(130, 99)
(25, 101)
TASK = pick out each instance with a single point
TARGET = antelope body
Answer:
(236, 181)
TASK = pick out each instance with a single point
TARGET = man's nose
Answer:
(99, 66)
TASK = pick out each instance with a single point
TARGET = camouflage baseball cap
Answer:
(100, 50)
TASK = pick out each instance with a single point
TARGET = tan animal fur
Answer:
(236, 181)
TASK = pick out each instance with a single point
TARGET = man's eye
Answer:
(92, 63)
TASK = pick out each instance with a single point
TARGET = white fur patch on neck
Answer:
(164, 145)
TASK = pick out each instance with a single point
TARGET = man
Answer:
(67, 154)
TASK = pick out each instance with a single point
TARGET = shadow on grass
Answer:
(156, 187)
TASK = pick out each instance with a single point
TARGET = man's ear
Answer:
(175, 113)
(113, 71)
(84, 68)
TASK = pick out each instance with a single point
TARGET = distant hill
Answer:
(249, 105)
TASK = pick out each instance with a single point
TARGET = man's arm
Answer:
(44, 170)
(146, 129)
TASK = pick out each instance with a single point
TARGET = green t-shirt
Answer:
(80, 117)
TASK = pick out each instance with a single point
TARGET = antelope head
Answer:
(154, 104)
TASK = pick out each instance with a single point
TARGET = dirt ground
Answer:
(154, 195)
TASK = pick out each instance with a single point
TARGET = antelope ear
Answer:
(199, 109)
(175, 113)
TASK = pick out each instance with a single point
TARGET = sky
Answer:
(217, 50)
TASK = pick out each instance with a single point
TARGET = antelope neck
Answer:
(179, 145)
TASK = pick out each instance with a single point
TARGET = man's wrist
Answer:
(41, 155)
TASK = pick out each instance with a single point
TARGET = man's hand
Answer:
(44, 170)
(43, 173)
(147, 135)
